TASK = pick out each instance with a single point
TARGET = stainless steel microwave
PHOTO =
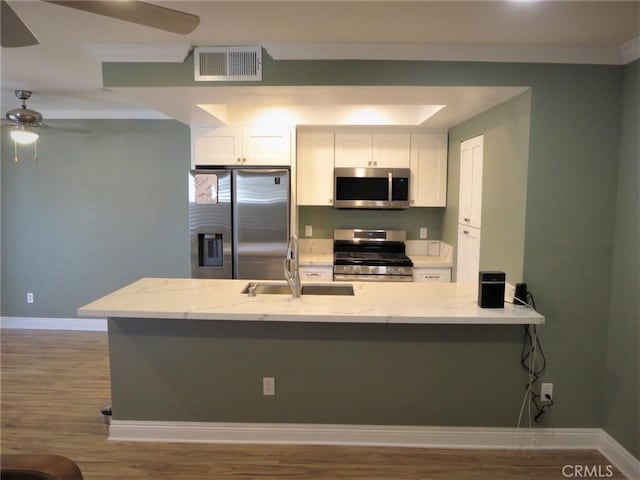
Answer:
(381, 188)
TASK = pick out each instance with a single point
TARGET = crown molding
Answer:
(462, 53)
(630, 51)
(139, 53)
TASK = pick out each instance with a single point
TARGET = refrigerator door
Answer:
(210, 224)
(261, 223)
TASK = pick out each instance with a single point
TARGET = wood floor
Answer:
(54, 384)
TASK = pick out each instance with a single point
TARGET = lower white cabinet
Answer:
(431, 274)
(468, 260)
(316, 273)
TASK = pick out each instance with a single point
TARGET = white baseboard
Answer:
(380, 436)
(47, 323)
(619, 456)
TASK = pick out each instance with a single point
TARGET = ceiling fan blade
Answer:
(137, 12)
(13, 32)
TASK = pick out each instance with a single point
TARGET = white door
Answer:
(315, 168)
(471, 159)
(468, 260)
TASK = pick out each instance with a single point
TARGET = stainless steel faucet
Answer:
(291, 267)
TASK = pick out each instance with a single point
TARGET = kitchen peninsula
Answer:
(190, 355)
(211, 299)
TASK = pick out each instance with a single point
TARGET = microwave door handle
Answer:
(390, 188)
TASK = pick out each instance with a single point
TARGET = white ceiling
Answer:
(66, 77)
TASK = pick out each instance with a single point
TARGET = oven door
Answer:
(348, 277)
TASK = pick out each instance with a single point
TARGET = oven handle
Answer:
(341, 277)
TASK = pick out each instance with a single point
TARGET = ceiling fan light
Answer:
(24, 135)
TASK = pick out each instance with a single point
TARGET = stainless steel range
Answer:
(371, 255)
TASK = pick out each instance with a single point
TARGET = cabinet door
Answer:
(429, 170)
(315, 168)
(266, 146)
(468, 259)
(471, 158)
(354, 150)
(216, 146)
(431, 274)
(316, 273)
(391, 150)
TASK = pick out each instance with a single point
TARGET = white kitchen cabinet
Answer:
(431, 274)
(468, 259)
(315, 167)
(429, 169)
(391, 150)
(371, 150)
(250, 146)
(316, 273)
(471, 160)
(354, 149)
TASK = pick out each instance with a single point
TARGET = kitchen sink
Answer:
(346, 289)
(259, 288)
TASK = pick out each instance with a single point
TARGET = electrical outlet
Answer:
(308, 230)
(423, 233)
(546, 392)
(268, 386)
(29, 297)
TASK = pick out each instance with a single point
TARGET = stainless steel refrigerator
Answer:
(239, 222)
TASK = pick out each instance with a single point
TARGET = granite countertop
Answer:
(211, 299)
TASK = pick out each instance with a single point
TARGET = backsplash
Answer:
(325, 219)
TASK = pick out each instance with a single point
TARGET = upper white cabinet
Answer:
(471, 159)
(240, 146)
(371, 150)
(429, 169)
(391, 150)
(315, 167)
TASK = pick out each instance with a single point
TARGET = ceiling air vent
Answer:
(224, 64)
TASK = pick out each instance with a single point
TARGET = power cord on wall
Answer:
(533, 361)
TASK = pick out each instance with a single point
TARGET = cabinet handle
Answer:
(466, 232)
(239, 160)
(431, 276)
(312, 274)
(375, 164)
(467, 219)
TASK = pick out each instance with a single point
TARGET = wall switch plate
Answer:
(29, 297)
(423, 233)
(308, 230)
(546, 392)
(268, 386)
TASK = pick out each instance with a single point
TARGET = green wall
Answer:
(325, 219)
(97, 211)
(572, 186)
(622, 380)
(504, 184)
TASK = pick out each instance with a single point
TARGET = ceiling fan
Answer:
(26, 124)
(14, 33)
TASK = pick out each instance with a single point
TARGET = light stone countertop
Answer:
(373, 302)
